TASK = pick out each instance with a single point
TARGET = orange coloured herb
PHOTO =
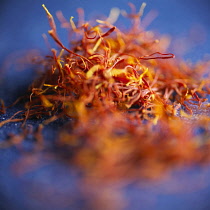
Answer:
(135, 107)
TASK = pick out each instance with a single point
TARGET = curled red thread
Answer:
(157, 55)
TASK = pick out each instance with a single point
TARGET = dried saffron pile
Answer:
(137, 111)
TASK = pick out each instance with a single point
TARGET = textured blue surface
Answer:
(53, 185)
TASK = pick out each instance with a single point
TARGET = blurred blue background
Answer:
(52, 185)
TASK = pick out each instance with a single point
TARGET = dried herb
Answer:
(134, 104)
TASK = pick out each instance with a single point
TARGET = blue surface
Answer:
(51, 184)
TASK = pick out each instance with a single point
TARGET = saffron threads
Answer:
(2, 107)
(134, 105)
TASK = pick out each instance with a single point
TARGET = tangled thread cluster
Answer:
(133, 104)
